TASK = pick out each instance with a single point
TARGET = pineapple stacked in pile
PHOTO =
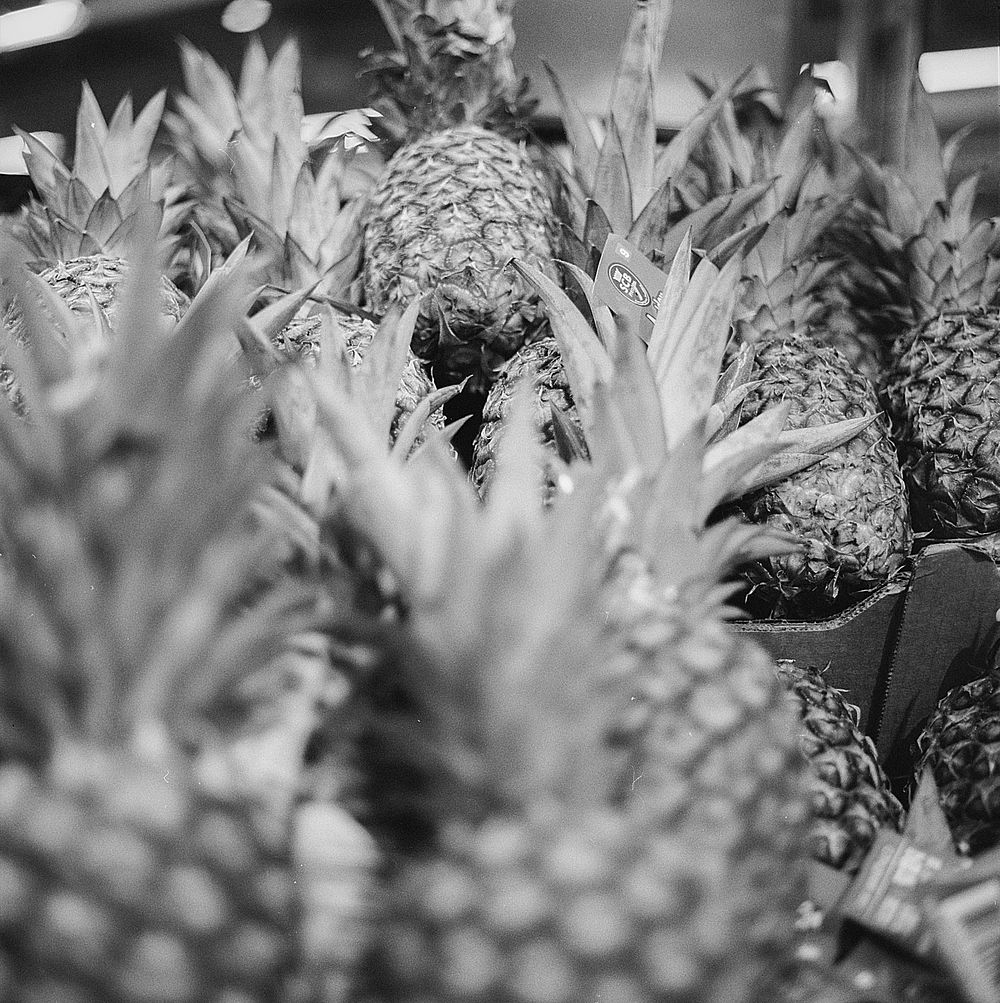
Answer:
(557, 771)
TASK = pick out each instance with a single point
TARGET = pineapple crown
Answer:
(627, 185)
(367, 385)
(247, 156)
(135, 578)
(501, 636)
(92, 207)
(949, 262)
(675, 403)
(451, 65)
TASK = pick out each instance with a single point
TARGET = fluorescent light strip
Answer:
(245, 15)
(45, 22)
(960, 69)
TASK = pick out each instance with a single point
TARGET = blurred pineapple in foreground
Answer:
(143, 616)
(517, 866)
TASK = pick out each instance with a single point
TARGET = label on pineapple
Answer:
(888, 893)
(629, 284)
(966, 924)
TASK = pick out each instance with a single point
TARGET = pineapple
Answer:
(80, 223)
(517, 866)
(88, 211)
(300, 204)
(857, 528)
(248, 169)
(943, 383)
(229, 138)
(673, 384)
(850, 508)
(961, 744)
(138, 634)
(461, 195)
(851, 799)
(301, 340)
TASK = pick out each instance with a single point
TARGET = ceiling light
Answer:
(245, 15)
(45, 22)
(838, 78)
(960, 69)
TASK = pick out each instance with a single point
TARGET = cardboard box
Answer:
(857, 644)
(905, 647)
(950, 611)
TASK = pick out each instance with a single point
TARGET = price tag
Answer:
(629, 284)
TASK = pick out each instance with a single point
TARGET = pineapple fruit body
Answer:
(849, 790)
(961, 744)
(540, 362)
(85, 283)
(299, 339)
(445, 217)
(122, 879)
(945, 392)
(850, 507)
(564, 906)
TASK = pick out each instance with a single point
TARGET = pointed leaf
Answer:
(660, 339)
(89, 165)
(613, 185)
(670, 162)
(633, 93)
(924, 167)
(273, 318)
(578, 133)
(652, 219)
(597, 227)
(584, 358)
(823, 438)
(416, 420)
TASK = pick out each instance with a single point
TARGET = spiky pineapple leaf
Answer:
(411, 428)
(923, 165)
(635, 390)
(584, 357)
(632, 108)
(670, 161)
(660, 338)
(823, 438)
(578, 133)
(597, 226)
(687, 371)
(599, 311)
(613, 185)
(652, 221)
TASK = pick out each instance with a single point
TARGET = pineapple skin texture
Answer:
(715, 781)
(540, 362)
(117, 885)
(600, 904)
(447, 214)
(945, 395)
(100, 276)
(299, 338)
(850, 507)
(849, 790)
(961, 744)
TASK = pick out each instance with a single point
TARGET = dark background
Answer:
(130, 45)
